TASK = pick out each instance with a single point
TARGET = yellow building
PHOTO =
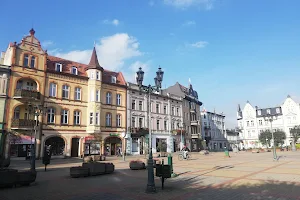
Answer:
(77, 102)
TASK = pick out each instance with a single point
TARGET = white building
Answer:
(251, 121)
(166, 116)
(214, 130)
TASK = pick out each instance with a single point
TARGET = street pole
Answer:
(181, 146)
(32, 167)
(274, 148)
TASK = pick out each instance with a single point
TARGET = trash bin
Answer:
(226, 153)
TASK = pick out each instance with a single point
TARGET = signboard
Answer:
(114, 134)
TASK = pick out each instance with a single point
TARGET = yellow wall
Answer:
(113, 108)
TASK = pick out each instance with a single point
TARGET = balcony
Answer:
(22, 123)
(138, 131)
(194, 123)
(160, 132)
(27, 94)
(193, 110)
(178, 131)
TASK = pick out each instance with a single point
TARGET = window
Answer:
(249, 134)
(140, 122)
(65, 91)
(140, 105)
(259, 112)
(133, 121)
(157, 108)
(165, 109)
(133, 104)
(74, 70)
(113, 79)
(58, 67)
(204, 116)
(97, 75)
(77, 93)
(76, 117)
(165, 125)
(260, 131)
(157, 125)
(52, 90)
(32, 62)
(17, 113)
(248, 123)
(252, 123)
(108, 98)
(118, 99)
(92, 75)
(173, 111)
(26, 60)
(51, 116)
(108, 119)
(266, 122)
(64, 117)
(268, 111)
(97, 95)
(260, 122)
(177, 110)
(277, 110)
(97, 118)
(118, 120)
(91, 118)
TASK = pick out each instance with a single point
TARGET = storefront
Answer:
(113, 145)
(91, 147)
(20, 146)
(162, 142)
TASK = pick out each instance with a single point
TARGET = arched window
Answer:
(26, 60)
(51, 116)
(119, 122)
(108, 98)
(108, 119)
(17, 113)
(32, 62)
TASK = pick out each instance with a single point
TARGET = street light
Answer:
(150, 89)
(181, 138)
(270, 118)
(36, 110)
(267, 143)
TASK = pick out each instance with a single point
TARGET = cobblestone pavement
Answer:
(242, 176)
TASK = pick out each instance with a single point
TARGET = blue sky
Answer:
(232, 50)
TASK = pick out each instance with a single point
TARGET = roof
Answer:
(94, 63)
(68, 64)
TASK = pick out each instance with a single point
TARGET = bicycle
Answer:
(181, 157)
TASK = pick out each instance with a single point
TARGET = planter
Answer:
(95, 168)
(76, 172)
(137, 165)
(87, 159)
(8, 177)
(96, 158)
(102, 158)
(26, 177)
(109, 168)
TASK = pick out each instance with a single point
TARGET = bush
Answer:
(297, 146)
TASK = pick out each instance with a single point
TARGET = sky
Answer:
(231, 50)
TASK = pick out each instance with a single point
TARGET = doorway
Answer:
(112, 145)
(75, 147)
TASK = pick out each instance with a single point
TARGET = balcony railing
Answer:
(30, 94)
(178, 131)
(194, 123)
(160, 131)
(138, 130)
(193, 110)
(23, 123)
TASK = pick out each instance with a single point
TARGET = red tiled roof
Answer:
(68, 64)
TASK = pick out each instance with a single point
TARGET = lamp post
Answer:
(181, 138)
(150, 89)
(270, 118)
(36, 110)
(267, 143)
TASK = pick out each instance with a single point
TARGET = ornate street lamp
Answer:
(150, 89)
(270, 118)
(36, 110)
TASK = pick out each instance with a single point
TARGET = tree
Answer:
(265, 137)
(295, 135)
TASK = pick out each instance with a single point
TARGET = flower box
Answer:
(76, 172)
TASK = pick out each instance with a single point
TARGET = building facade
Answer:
(80, 103)
(166, 117)
(214, 130)
(4, 80)
(191, 114)
(251, 121)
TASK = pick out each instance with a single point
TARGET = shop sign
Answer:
(114, 134)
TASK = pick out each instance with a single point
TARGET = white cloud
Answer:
(184, 4)
(114, 22)
(112, 51)
(47, 43)
(189, 23)
(200, 44)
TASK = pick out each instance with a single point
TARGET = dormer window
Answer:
(58, 67)
(74, 70)
(113, 79)
(259, 112)
(268, 111)
(277, 110)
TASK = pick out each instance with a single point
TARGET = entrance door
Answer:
(75, 146)
(113, 149)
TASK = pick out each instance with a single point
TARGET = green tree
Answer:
(295, 135)
(279, 137)
(265, 137)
